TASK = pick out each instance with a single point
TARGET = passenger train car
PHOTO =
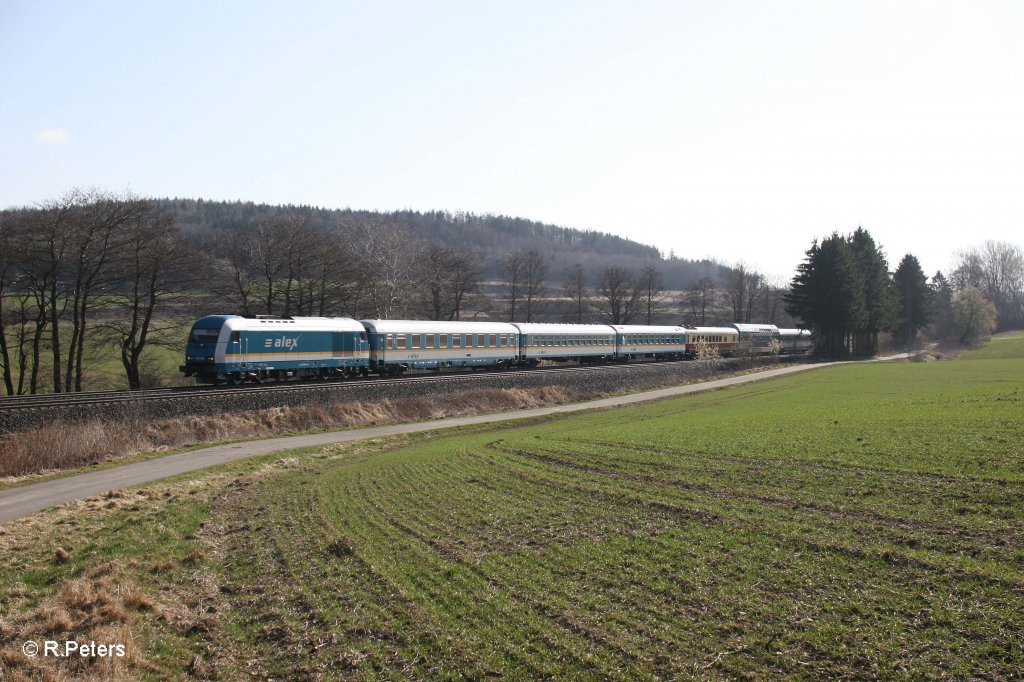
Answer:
(725, 340)
(398, 345)
(587, 343)
(795, 340)
(237, 349)
(756, 338)
(639, 341)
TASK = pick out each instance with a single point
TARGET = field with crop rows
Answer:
(862, 521)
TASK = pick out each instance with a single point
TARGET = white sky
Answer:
(736, 130)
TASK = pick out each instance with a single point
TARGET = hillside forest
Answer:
(98, 274)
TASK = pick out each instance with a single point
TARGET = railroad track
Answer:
(52, 400)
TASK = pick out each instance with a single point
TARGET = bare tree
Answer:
(9, 259)
(448, 279)
(575, 289)
(699, 300)
(743, 290)
(618, 296)
(652, 293)
(98, 233)
(331, 277)
(997, 270)
(388, 254)
(513, 275)
(535, 270)
(269, 239)
(232, 281)
(49, 235)
(157, 269)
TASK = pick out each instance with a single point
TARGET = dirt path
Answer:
(28, 499)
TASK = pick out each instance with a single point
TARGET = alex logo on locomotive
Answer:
(291, 343)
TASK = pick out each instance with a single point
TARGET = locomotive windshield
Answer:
(204, 336)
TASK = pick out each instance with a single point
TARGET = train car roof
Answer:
(646, 329)
(743, 327)
(712, 330)
(794, 332)
(294, 324)
(546, 328)
(433, 327)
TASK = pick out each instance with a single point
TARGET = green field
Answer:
(101, 367)
(863, 521)
(1001, 347)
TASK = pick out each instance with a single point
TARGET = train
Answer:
(238, 349)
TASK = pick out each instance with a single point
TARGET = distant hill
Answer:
(492, 237)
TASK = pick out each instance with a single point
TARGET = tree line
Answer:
(99, 272)
(94, 272)
(844, 292)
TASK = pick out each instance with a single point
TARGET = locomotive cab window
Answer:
(236, 337)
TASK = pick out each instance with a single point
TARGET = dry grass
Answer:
(67, 446)
(100, 606)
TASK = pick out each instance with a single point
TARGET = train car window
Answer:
(456, 340)
(442, 341)
(400, 341)
(494, 340)
(480, 341)
(431, 340)
(415, 341)
(389, 341)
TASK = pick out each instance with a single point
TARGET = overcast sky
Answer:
(736, 130)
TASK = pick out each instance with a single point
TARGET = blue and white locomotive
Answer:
(233, 348)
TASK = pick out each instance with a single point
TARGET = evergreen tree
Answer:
(914, 298)
(942, 304)
(879, 300)
(842, 291)
(827, 296)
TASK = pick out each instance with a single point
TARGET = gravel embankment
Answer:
(600, 380)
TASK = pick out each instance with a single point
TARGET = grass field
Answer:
(102, 368)
(1004, 346)
(863, 521)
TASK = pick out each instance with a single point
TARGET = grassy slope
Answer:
(1004, 346)
(862, 521)
(102, 368)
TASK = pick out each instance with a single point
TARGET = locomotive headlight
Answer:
(209, 359)
(189, 358)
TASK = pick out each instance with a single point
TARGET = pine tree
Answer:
(827, 295)
(942, 303)
(914, 298)
(843, 293)
(879, 299)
